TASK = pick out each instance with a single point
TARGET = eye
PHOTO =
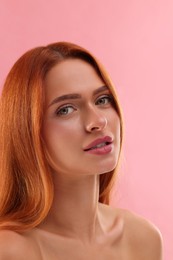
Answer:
(66, 110)
(104, 100)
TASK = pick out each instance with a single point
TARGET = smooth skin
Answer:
(78, 226)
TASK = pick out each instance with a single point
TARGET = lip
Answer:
(106, 139)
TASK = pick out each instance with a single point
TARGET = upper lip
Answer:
(105, 139)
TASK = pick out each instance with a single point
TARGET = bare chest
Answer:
(78, 252)
(83, 253)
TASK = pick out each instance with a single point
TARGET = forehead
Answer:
(72, 75)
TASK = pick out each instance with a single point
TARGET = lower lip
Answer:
(101, 150)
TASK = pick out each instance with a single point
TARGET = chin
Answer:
(106, 171)
(107, 168)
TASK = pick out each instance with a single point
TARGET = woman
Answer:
(61, 139)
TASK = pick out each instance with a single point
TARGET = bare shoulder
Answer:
(144, 238)
(17, 246)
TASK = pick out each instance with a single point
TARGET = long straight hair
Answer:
(26, 188)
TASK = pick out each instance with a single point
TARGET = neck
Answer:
(75, 209)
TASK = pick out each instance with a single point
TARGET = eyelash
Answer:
(58, 112)
(108, 97)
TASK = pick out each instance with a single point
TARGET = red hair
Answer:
(26, 188)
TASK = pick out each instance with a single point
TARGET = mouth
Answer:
(99, 143)
(98, 146)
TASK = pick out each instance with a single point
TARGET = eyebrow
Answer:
(75, 96)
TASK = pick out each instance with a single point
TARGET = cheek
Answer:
(53, 134)
(60, 135)
(117, 127)
(114, 125)
(113, 119)
(60, 141)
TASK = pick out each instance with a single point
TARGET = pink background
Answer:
(134, 40)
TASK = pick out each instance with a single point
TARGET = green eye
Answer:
(65, 111)
(104, 100)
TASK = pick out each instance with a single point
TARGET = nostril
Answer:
(95, 123)
(94, 128)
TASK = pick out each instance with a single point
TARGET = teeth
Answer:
(99, 145)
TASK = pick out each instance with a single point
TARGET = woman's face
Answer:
(79, 110)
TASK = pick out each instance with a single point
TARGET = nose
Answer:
(95, 121)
